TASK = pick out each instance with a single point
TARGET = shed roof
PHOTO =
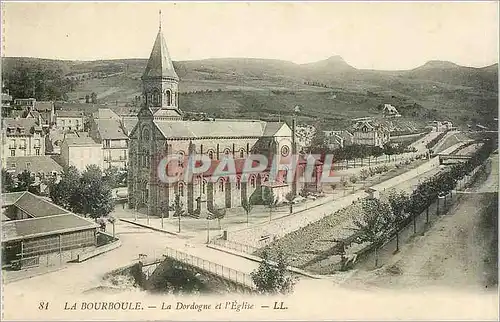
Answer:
(42, 226)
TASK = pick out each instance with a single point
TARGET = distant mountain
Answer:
(450, 73)
(330, 65)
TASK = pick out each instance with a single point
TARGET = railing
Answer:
(26, 262)
(243, 248)
(211, 267)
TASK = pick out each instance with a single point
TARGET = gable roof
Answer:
(38, 163)
(129, 123)
(105, 113)
(203, 129)
(159, 63)
(110, 129)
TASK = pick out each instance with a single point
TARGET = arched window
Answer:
(252, 181)
(242, 153)
(156, 97)
(226, 152)
(211, 154)
(168, 97)
(203, 186)
(145, 134)
(238, 182)
(180, 161)
(180, 188)
(222, 183)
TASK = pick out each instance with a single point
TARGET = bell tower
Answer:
(160, 82)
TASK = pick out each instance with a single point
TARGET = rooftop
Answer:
(200, 129)
(35, 163)
(69, 113)
(37, 227)
(110, 129)
(159, 63)
(46, 218)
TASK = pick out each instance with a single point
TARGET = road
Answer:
(458, 252)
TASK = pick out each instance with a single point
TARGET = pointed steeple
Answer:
(160, 64)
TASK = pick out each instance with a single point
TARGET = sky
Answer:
(377, 35)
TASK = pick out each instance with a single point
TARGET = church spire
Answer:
(159, 23)
(159, 63)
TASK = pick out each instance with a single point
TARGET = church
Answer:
(161, 131)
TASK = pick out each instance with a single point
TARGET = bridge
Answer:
(231, 278)
(452, 158)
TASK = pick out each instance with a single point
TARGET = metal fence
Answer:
(243, 248)
(211, 267)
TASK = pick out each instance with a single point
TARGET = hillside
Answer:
(330, 91)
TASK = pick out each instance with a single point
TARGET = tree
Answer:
(218, 213)
(112, 177)
(95, 195)
(25, 181)
(318, 143)
(8, 183)
(289, 198)
(85, 194)
(65, 192)
(269, 199)
(272, 278)
(373, 224)
(93, 98)
(178, 209)
(399, 202)
(247, 205)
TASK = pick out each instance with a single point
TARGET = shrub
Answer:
(364, 174)
(353, 179)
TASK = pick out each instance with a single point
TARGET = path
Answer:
(458, 251)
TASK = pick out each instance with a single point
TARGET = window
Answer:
(203, 186)
(28, 165)
(37, 151)
(252, 181)
(37, 142)
(221, 184)
(180, 188)
(12, 144)
(242, 153)
(211, 154)
(23, 144)
(145, 134)
(168, 97)
(180, 161)
(156, 97)
(238, 182)
(12, 153)
(226, 152)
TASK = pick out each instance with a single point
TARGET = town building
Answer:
(80, 151)
(106, 129)
(160, 132)
(42, 168)
(390, 111)
(37, 232)
(370, 132)
(70, 120)
(23, 137)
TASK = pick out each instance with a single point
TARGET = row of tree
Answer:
(381, 220)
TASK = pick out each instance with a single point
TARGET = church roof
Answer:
(199, 129)
(159, 63)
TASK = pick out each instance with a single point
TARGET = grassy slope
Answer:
(243, 88)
